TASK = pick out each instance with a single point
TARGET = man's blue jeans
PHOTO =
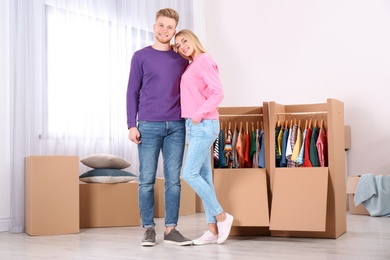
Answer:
(168, 137)
(197, 170)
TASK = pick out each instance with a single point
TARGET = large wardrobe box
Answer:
(309, 201)
(351, 188)
(51, 195)
(243, 192)
(187, 199)
(109, 204)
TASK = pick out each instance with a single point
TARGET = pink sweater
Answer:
(201, 89)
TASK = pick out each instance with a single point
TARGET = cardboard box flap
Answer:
(352, 184)
(299, 199)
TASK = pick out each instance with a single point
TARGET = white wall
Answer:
(305, 51)
(4, 119)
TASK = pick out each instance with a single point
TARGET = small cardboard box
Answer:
(51, 195)
(351, 188)
(187, 199)
(109, 205)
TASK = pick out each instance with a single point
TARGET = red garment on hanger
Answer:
(306, 152)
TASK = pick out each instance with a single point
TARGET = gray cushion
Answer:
(105, 161)
(107, 176)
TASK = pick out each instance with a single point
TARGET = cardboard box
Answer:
(109, 205)
(351, 188)
(187, 199)
(51, 195)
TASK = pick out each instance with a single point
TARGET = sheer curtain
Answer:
(70, 62)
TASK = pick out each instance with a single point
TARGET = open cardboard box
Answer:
(351, 188)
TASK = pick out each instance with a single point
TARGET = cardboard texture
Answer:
(351, 188)
(187, 199)
(109, 205)
(51, 195)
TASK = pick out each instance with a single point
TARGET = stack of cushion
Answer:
(107, 168)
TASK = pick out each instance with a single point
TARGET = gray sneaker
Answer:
(149, 237)
(174, 237)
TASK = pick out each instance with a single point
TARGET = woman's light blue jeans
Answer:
(168, 137)
(197, 170)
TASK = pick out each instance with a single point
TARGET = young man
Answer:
(155, 124)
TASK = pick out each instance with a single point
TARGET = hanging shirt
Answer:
(252, 149)
(290, 145)
(313, 148)
(222, 161)
(278, 156)
(241, 149)
(297, 146)
(283, 161)
(255, 163)
(228, 149)
(216, 153)
(301, 152)
(234, 147)
(322, 148)
(262, 163)
(306, 154)
(248, 161)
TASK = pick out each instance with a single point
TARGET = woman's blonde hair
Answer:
(193, 39)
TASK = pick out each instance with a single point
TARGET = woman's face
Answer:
(184, 46)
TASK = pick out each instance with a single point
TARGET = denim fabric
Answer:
(168, 137)
(197, 170)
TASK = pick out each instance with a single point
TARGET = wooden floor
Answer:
(366, 238)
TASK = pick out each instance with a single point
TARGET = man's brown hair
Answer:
(168, 12)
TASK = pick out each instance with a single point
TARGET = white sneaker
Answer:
(207, 238)
(224, 228)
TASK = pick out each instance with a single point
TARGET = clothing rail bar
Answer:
(303, 113)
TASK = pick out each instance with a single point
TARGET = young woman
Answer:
(201, 93)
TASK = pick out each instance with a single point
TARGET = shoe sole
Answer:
(204, 243)
(186, 243)
(230, 227)
(148, 243)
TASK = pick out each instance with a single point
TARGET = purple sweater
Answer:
(153, 91)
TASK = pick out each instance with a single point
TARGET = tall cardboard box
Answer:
(351, 188)
(109, 205)
(309, 201)
(187, 199)
(51, 195)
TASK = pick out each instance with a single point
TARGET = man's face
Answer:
(164, 29)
